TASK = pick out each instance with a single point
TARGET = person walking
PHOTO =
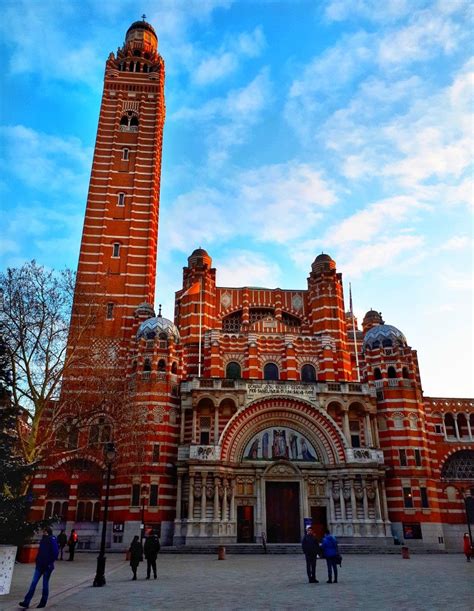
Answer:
(467, 548)
(45, 559)
(331, 553)
(62, 540)
(136, 555)
(72, 542)
(311, 550)
(151, 549)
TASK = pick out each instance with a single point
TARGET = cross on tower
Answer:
(143, 16)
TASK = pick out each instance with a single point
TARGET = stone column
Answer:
(332, 509)
(384, 502)
(181, 431)
(179, 492)
(444, 427)
(375, 432)
(191, 498)
(355, 519)
(368, 433)
(345, 426)
(469, 430)
(216, 499)
(342, 501)
(216, 426)
(193, 434)
(224, 503)
(365, 501)
(203, 503)
(378, 510)
(232, 517)
(456, 428)
(258, 517)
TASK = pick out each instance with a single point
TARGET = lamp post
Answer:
(110, 455)
(144, 495)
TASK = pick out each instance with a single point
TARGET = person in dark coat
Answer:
(62, 540)
(72, 542)
(331, 553)
(151, 549)
(136, 555)
(311, 550)
(45, 559)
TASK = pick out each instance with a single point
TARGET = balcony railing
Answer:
(278, 387)
(364, 455)
(204, 452)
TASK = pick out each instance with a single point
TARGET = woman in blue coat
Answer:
(331, 552)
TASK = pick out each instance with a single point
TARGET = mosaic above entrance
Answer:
(281, 443)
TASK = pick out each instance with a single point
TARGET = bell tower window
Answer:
(121, 199)
(125, 154)
(116, 250)
(129, 122)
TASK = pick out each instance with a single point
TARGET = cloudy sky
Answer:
(293, 127)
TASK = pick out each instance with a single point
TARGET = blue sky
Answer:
(292, 128)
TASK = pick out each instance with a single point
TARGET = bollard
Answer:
(405, 552)
(221, 552)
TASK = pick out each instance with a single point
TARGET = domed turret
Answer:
(144, 310)
(371, 319)
(199, 257)
(322, 263)
(142, 37)
(156, 326)
(383, 336)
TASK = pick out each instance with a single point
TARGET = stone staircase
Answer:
(292, 548)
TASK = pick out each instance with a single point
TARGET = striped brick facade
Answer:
(249, 392)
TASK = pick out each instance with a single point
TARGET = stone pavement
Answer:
(201, 582)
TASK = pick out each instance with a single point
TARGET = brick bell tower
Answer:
(118, 255)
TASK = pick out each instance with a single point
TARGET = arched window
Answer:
(174, 368)
(459, 465)
(147, 365)
(233, 371)
(391, 372)
(308, 373)
(405, 373)
(449, 425)
(88, 502)
(270, 372)
(116, 249)
(68, 434)
(162, 365)
(125, 154)
(100, 432)
(387, 343)
(129, 121)
(377, 374)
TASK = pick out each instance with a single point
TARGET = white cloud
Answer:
(245, 268)
(379, 255)
(284, 202)
(377, 219)
(224, 61)
(232, 116)
(457, 242)
(45, 162)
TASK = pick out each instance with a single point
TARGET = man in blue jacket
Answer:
(330, 552)
(311, 550)
(47, 555)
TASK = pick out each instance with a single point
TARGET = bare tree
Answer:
(34, 321)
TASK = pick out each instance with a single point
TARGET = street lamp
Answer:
(110, 455)
(144, 495)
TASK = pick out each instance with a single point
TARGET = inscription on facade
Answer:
(302, 391)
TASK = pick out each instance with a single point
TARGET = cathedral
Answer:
(256, 410)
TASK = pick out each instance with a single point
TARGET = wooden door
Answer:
(244, 524)
(283, 512)
(318, 515)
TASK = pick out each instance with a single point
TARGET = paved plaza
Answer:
(200, 582)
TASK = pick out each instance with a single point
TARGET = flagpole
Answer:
(354, 332)
(200, 327)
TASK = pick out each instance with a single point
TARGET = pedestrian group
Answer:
(328, 549)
